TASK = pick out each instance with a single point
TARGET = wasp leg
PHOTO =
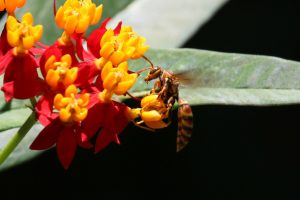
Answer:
(133, 97)
(139, 124)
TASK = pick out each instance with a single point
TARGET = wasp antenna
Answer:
(149, 61)
(142, 70)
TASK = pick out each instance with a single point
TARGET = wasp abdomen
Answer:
(185, 124)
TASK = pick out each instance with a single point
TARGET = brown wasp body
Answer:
(166, 87)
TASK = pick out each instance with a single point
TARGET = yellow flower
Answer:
(121, 47)
(60, 72)
(72, 108)
(22, 35)
(154, 111)
(75, 16)
(11, 5)
(116, 80)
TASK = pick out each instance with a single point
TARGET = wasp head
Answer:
(154, 73)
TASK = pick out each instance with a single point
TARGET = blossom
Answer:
(76, 85)
(10, 5)
(116, 80)
(93, 41)
(121, 47)
(74, 16)
(21, 79)
(65, 129)
(22, 35)
(60, 72)
(110, 118)
(57, 67)
(71, 108)
(153, 112)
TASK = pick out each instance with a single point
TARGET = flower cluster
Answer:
(75, 86)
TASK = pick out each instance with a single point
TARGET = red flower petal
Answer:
(93, 41)
(94, 119)
(121, 117)
(118, 28)
(58, 51)
(66, 146)
(21, 79)
(4, 61)
(48, 137)
(114, 124)
(99, 83)
(87, 72)
(44, 109)
(104, 139)
(4, 46)
(83, 140)
(79, 47)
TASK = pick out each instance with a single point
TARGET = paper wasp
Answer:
(167, 89)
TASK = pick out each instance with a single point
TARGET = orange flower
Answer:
(22, 35)
(116, 80)
(11, 5)
(72, 108)
(119, 48)
(75, 16)
(60, 72)
(153, 112)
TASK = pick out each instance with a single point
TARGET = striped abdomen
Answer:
(185, 124)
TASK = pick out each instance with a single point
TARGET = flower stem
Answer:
(19, 135)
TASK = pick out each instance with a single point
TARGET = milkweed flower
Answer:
(11, 5)
(71, 108)
(111, 118)
(153, 112)
(126, 45)
(22, 35)
(65, 129)
(60, 72)
(75, 16)
(76, 86)
(21, 79)
(116, 80)
(117, 48)
(116, 45)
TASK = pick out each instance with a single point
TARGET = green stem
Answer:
(17, 138)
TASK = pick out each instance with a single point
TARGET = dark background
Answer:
(235, 152)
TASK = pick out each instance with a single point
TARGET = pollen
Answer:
(116, 80)
(75, 16)
(11, 5)
(121, 47)
(72, 107)
(22, 35)
(60, 71)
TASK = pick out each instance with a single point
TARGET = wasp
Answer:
(167, 88)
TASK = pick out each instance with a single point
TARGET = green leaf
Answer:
(165, 24)
(22, 153)
(228, 78)
(43, 14)
(13, 118)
